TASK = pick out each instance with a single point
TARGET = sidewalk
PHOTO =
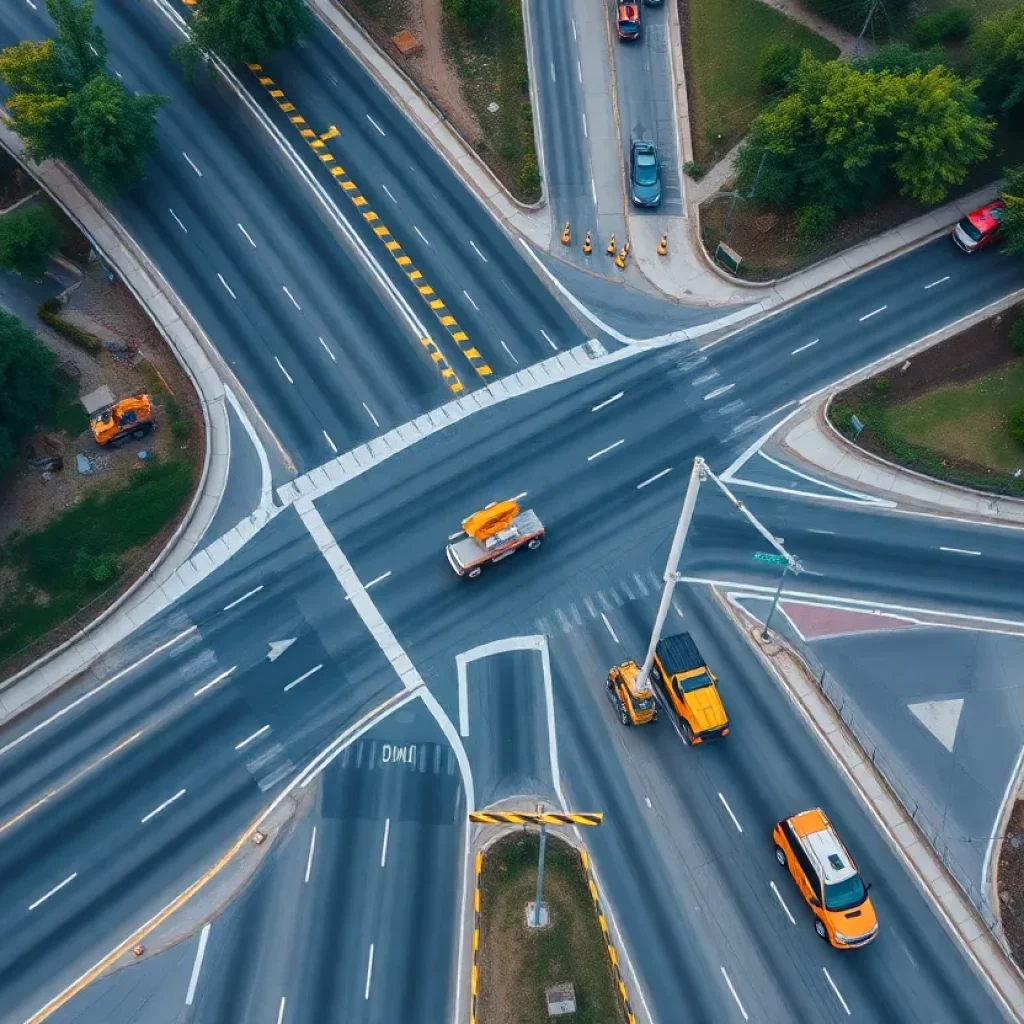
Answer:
(154, 589)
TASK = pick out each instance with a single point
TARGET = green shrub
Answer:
(1016, 423)
(529, 176)
(1017, 334)
(882, 385)
(815, 221)
(49, 313)
(180, 426)
(96, 570)
(951, 25)
(841, 417)
(777, 66)
(695, 170)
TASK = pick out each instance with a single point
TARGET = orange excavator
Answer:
(493, 533)
(129, 418)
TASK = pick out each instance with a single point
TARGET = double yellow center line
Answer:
(318, 144)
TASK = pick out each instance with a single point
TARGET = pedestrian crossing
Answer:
(577, 615)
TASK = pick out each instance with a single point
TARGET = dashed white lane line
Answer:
(728, 982)
(510, 355)
(605, 451)
(167, 803)
(244, 597)
(213, 682)
(520, 495)
(180, 225)
(593, 189)
(384, 845)
(370, 414)
(55, 889)
(390, 196)
(802, 348)
(248, 237)
(553, 78)
(839, 994)
(197, 965)
(704, 378)
(334, 358)
(579, 72)
(32, 5)
(874, 312)
(227, 286)
(420, 233)
(677, 609)
(477, 251)
(585, 135)
(782, 903)
(647, 800)
(284, 288)
(608, 401)
(718, 391)
(739, 827)
(960, 551)
(334, 447)
(608, 626)
(941, 280)
(369, 973)
(191, 163)
(376, 579)
(375, 125)
(574, 28)
(309, 859)
(470, 298)
(302, 678)
(256, 735)
(280, 1012)
(548, 340)
(280, 366)
(650, 480)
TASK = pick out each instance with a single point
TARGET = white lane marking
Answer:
(608, 626)
(334, 447)
(827, 533)
(369, 973)
(728, 982)
(677, 609)
(226, 285)
(608, 401)
(604, 451)
(280, 1012)
(204, 937)
(704, 378)
(32, 5)
(585, 135)
(214, 681)
(548, 340)
(118, 73)
(574, 28)
(718, 391)
(941, 280)
(739, 827)
(782, 903)
(384, 847)
(248, 237)
(477, 251)
(647, 800)
(167, 803)
(280, 366)
(651, 479)
(248, 739)
(510, 355)
(244, 597)
(178, 219)
(471, 302)
(370, 414)
(96, 689)
(56, 888)
(366, 586)
(309, 859)
(191, 164)
(803, 347)
(593, 189)
(420, 233)
(334, 358)
(874, 312)
(579, 75)
(390, 196)
(375, 125)
(553, 79)
(304, 676)
(284, 288)
(960, 551)
(521, 494)
(95, 52)
(839, 995)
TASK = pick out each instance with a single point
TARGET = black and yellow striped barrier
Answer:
(351, 189)
(534, 818)
(474, 981)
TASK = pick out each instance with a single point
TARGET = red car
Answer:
(628, 23)
(981, 228)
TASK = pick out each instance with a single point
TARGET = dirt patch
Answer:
(1011, 883)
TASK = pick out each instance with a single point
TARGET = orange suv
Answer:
(827, 878)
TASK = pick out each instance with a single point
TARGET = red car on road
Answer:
(980, 229)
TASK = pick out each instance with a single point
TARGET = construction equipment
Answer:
(493, 533)
(634, 704)
(131, 417)
(690, 688)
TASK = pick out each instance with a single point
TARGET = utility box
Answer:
(561, 1000)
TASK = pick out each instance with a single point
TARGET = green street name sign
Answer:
(771, 559)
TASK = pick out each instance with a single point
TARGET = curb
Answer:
(188, 344)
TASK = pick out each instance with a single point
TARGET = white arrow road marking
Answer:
(278, 647)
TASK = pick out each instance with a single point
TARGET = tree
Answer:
(244, 30)
(81, 48)
(1013, 221)
(27, 237)
(900, 59)
(39, 105)
(999, 58)
(27, 387)
(777, 66)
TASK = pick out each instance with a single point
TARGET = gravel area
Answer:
(1011, 883)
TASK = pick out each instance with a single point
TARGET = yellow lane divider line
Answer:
(351, 189)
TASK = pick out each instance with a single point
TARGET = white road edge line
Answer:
(167, 803)
(372, 417)
(334, 358)
(227, 286)
(839, 995)
(191, 164)
(941, 280)
(960, 551)
(248, 739)
(214, 681)
(728, 982)
(280, 366)
(178, 219)
(56, 888)
(305, 675)
(782, 903)
(608, 401)
(248, 237)
(604, 451)
(309, 859)
(608, 626)
(874, 312)
(375, 125)
(204, 937)
(651, 479)
(739, 827)
(477, 251)
(244, 597)
(384, 847)
(803, 347)
(369, 973)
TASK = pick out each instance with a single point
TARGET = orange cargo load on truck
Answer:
(493, 533)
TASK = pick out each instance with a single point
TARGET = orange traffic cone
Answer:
(611, 247)
(587, 247)
(663, 246)
(566, 236)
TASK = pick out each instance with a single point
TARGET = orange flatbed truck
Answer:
(492, 534)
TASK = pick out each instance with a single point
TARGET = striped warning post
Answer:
(534, 818)
(474, 983)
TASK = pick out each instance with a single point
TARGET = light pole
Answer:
(775, 602)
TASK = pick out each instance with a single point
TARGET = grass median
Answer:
(517, 964)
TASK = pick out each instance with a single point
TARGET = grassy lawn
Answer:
(516, 965)
(724, 39)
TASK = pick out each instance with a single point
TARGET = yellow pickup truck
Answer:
(690, 688)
